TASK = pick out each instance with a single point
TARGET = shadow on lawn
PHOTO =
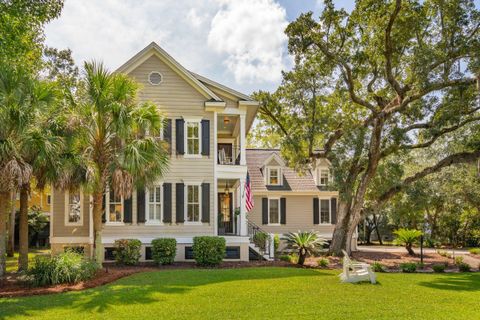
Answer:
(142, 288)
(455, 282)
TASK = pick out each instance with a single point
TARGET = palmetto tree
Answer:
(407, 237)
(111, 139)
(306, 243)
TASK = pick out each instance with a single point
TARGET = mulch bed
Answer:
(11, 286)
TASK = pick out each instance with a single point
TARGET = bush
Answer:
(378, 267)
(208, 250)
(259, 239)
(323, 263)
(438, 268)
(292, 258)
(276, 242)
(474, 251)
(420, 265)
(164, 250)
(463, 267)
(458, 260)
(443, 253)
(127, 251)
(408, 267)
(66, 267)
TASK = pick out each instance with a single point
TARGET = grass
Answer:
(12, 262)
(259, 293)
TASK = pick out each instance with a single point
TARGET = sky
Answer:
(239, 43)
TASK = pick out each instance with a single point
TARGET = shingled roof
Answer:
(292, 181)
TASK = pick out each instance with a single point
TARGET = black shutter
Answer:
(127, 210)
(264, 210)
(141, 205)
(179, 127)
(316, 211)
(104, 205)
(206, 137)
(283, 211)
(180, 189)
(333, 203)
(205, 202)
(167, 202)
(167, 134)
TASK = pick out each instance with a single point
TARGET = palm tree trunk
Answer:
(11, 227)
(23, 229)
(4, 199)
(301, 257)
(97, 226)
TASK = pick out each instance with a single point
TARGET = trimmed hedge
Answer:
(209, 250)
(127, 251)
(164, 250)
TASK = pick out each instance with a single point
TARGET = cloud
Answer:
(251, 34)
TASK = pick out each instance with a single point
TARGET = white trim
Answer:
(320, 198)
(279, 177)
(147, 206)
(107, 211)
(185, 201)
(69, 240)
(279, 213)
(90, 221)
(161, 78)
(52, 190)
(198, 121)
(67, 210)
(319, 176)
(276, 157)
(215, 181)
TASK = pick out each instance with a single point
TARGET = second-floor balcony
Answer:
(228, 154)
(231, 140)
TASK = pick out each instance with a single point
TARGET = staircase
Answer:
(262, 253)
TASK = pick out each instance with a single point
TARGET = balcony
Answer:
(228, 155)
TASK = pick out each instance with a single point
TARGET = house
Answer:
(203, 191)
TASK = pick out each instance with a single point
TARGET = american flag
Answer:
(248, 193)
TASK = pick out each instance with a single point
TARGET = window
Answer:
(115, 208)
(273, 211)
(154, 204)
(323, 177)
(274, 176)
(325, 211)
(49, 199)
(193, 137)
(193, 203)
(155, 78)
(73, 208)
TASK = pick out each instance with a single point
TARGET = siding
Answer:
(59, 227)
(299, 216)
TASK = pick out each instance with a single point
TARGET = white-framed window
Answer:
(114, 207)
(193, 203)
(154, 202)
(274, 176)
(155, 78)
(73, 208)
(193, 134)
(323, 177)
(274, 211)
(325, 214)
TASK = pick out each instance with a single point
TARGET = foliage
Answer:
(378, 267)
(463, 267)
(66, 267)
(438, 268)
(164, 250)
(407, 237)
(276, 242)
(260, 239)
(474, 250)
(305, 243)
(322, 263)
(37, 220)
(443, 253)
(458, 260)
(209, 251)
(127, 251)
(292, 258)
(408, 267)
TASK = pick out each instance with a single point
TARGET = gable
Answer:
(273, 163)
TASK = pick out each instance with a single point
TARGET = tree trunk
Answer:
(368, 234)
(301, 257)
(409, 249)
(11, 227)
(23, 229)
(375, 221)
(4, 200)
(340, 231)
(97, 226)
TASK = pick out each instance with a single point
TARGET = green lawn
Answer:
(12, 262)
(260, 293)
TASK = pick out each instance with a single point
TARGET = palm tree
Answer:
(306, 243)
(407, 237)
(112, 142)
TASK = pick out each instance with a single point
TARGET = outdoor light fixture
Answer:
(226, 120)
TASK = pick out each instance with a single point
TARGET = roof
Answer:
(292, 180)
(221, 87)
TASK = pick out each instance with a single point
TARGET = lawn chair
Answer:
(356, 271)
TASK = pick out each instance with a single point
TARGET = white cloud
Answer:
(251, 34)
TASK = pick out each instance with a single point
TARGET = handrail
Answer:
(253, 230)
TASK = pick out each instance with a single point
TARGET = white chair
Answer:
(356, 271)
(222, 156)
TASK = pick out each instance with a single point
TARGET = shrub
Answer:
(292, 258)
(208, 250)
(458, 260)
(378, 267)
(276, 242)
(407, 237)
(285, 257)
(420, 265)
(408, 267)
(474, 251)
(463, 267)
(259, 239)
(164, 250)
(443, 253)
(322, 262)
(66, 267)
(438, 268)
(127, 251)
(305, 243)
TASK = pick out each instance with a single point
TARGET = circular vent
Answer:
(155, 78)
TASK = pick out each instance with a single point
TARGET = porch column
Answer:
(243, 214)
(243, 158)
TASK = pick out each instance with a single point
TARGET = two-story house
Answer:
(203, 192)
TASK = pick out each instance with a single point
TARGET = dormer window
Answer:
(323, 177)
(274, 176)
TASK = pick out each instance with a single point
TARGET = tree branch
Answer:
(389, 50)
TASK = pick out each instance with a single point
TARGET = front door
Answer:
(225, 213)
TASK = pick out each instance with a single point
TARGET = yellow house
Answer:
(38, 198)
